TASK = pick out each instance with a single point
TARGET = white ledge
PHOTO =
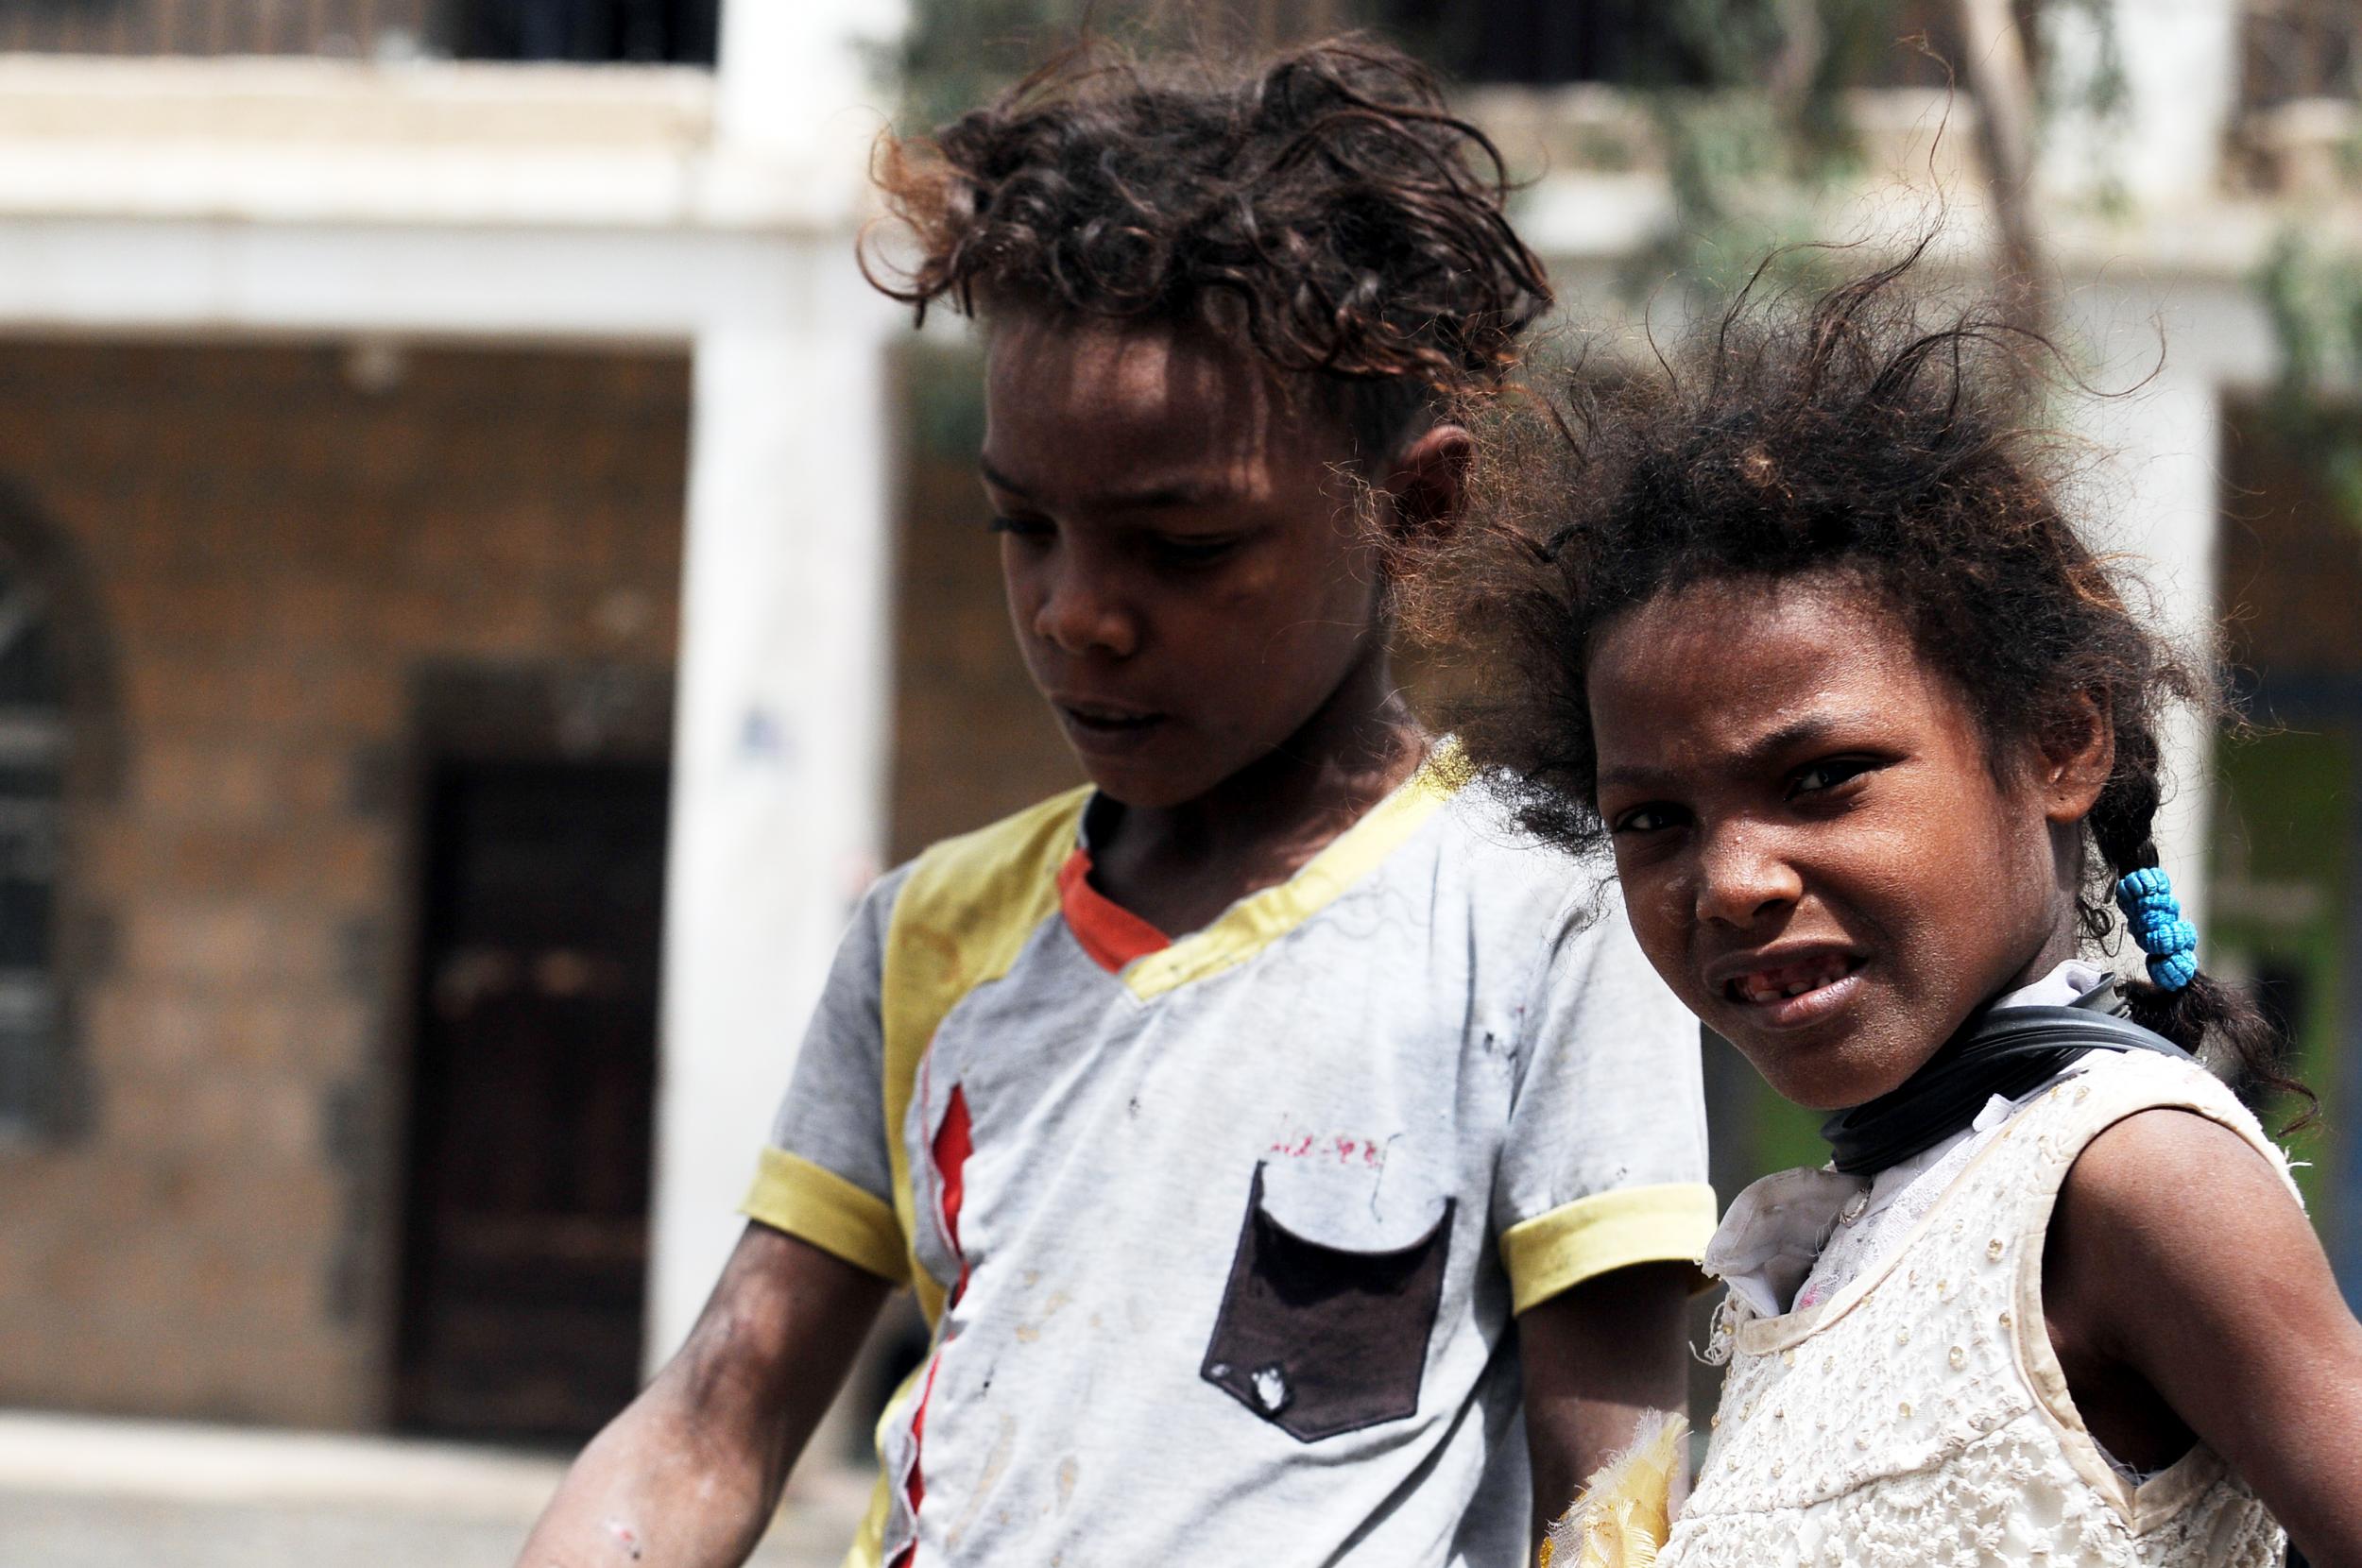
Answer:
(331, 141)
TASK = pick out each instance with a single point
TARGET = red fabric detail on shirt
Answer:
(1111, 934)
(954, 1141)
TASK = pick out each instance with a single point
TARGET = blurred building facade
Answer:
(373, 415)
(483, 584)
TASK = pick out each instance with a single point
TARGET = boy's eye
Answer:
(1023, 528)
(1191, 550)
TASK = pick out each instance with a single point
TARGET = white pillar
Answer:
(779, 764)
(779, 740)
(2152, 489)
(789, 67)
(2162, 144)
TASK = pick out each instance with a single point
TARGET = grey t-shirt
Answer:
(1226, 1238)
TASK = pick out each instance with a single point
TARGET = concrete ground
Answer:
(84, 1493)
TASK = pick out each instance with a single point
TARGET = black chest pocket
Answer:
(1321, 1340)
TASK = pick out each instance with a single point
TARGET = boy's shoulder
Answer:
(981, 890)
(1009, 861)
(1504, 865)
(986, 887)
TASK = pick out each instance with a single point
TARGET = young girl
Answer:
(1803, 634)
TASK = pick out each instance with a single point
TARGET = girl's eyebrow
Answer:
(1765, 749)
(1643, 780)
(1811, 730)
(1758, 753)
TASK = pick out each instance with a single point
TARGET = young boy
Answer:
(1294, 1168)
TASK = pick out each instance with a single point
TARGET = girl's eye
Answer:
(1646, 819)
(1827, 774)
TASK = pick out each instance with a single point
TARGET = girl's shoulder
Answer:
(2108, 1087)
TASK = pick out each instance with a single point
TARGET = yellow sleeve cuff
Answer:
(815, 1204)
(1558, 1251)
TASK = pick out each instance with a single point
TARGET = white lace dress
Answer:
(1916, 1414)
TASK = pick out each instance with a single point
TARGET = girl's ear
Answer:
(1428, 483)
(2076, 759)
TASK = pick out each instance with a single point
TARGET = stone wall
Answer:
(273, 547)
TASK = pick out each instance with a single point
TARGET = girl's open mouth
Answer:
(1804, 991)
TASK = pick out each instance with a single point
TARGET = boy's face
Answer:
(1187, 575)
(1814, 850)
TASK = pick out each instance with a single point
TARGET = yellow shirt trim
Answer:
(1256, 921)
(868, 1547)
(959, 922)
(1558, 1251)
(815, 1203)
(971, 902)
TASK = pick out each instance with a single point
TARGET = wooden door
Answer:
(526, 1216)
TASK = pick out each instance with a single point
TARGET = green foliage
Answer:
(2313, 293)
(1760, 141)
(958, 53)
(1761, 155)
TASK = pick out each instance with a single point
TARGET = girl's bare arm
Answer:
(2176, 1257)
(689, 1474)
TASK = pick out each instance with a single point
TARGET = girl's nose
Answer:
(1743, 876)
(1078, 616)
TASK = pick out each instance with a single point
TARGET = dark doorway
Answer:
(644, 32)
(526, 1215)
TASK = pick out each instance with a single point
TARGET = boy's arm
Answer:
(1598, 1359)
(1602, 1200)
(688, 1476)
(2176, 1252)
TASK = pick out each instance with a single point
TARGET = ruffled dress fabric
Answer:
(1893, 1397)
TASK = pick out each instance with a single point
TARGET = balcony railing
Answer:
(2299, 49)
(586, 31)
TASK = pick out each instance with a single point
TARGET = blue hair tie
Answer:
(2155, 920)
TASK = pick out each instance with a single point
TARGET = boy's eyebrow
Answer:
(1000, 481)
(1145, 498)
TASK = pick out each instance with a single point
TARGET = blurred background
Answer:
(483, 586)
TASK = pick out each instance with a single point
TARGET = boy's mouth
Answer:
(1098, 727)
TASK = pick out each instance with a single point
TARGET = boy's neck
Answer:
(1179, 866)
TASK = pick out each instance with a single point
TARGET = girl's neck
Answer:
(2062, 943)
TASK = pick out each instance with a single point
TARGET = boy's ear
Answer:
(1428, 483)
(2076, 759)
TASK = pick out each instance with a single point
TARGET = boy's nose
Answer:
(1077, 617)
(1742, 877)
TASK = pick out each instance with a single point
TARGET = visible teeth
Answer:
(1770, 985)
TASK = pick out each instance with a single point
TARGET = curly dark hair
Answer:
(1324, 209)
(1860, 433)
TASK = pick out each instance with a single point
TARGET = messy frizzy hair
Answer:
(1861, 432)
(1321, 208)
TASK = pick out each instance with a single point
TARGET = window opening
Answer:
(32, 757)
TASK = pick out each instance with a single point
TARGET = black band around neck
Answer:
(2007, 1051)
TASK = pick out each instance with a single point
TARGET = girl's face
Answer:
(1814, 849)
